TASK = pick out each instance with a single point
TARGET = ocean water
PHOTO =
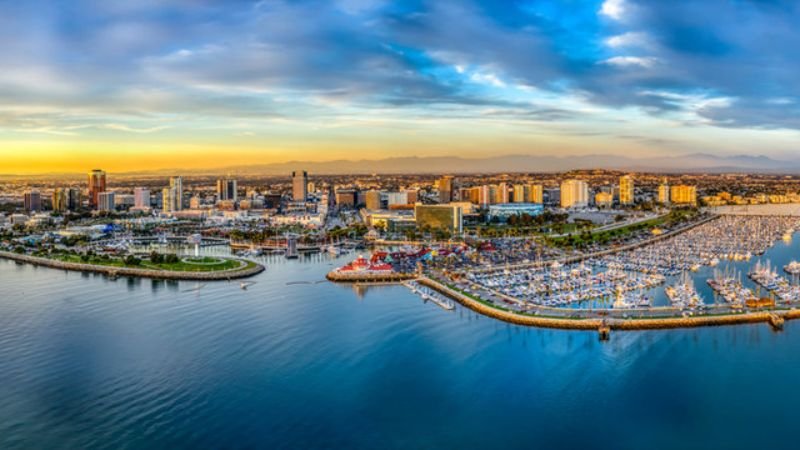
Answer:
(296, 362)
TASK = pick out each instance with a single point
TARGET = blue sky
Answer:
(282, 80)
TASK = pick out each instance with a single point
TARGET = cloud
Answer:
(613, 9)
(94, 66)
(624, 61)
(129, 129)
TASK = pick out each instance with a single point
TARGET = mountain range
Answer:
(686, 163)
(696, 162)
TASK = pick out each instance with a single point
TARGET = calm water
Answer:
(90, 362)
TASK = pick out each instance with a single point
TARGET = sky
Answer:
(133, 85)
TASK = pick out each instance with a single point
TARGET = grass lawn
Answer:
(206, 264)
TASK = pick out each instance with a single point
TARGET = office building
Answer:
(486, 195)
(74, 199)
(59, 200)
(663, 192)
(683, 195)
(141, 198)
(33, 201)
(626, 190)
(346, 198)
(170, 202)
(502, 193)
(441, 217)
(445, 188)
(227, 189)
(299, 185)
(97, 184)
(176, 184)
(536, 194)
(574, 194)
(373, 200)
(521, 193)
(106, 201)
(604, 199)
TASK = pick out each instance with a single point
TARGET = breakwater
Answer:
(774, 318)
(246, 269)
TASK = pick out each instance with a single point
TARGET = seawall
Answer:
(772, 317)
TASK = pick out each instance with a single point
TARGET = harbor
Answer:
(719, 273)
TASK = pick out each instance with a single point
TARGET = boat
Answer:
(793, 268)
(683, 293)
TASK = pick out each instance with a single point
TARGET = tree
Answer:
(156, 258)
(132, 260)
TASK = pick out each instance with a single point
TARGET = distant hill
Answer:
(698, 162)
(687, 163)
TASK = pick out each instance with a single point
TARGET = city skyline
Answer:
(176, 84)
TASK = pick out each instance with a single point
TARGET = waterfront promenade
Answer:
(244, 270)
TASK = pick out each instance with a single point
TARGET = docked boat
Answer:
(793, 268)
(683, 293)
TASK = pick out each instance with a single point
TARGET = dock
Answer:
(429, 295)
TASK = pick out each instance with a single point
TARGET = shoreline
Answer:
(113, 271)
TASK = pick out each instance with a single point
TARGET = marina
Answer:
(726, 241)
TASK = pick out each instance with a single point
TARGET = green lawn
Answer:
(206, 264)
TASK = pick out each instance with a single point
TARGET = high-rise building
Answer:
(227, 189)
(141, 197)
(536, 194)
(626, 190)
(106, 201)
(33, 201)
(683, 195)
(176, 183)
(663, 192)
(604, 199)
(299, 185)
(574, 194)
(170, 202)
(60, 200)
(491, 195)
(445, 188)
(521, 193)
(74, 199)
(501, 193)
(346, 198)
(311, 187)
(97, 184)
(373, 200)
